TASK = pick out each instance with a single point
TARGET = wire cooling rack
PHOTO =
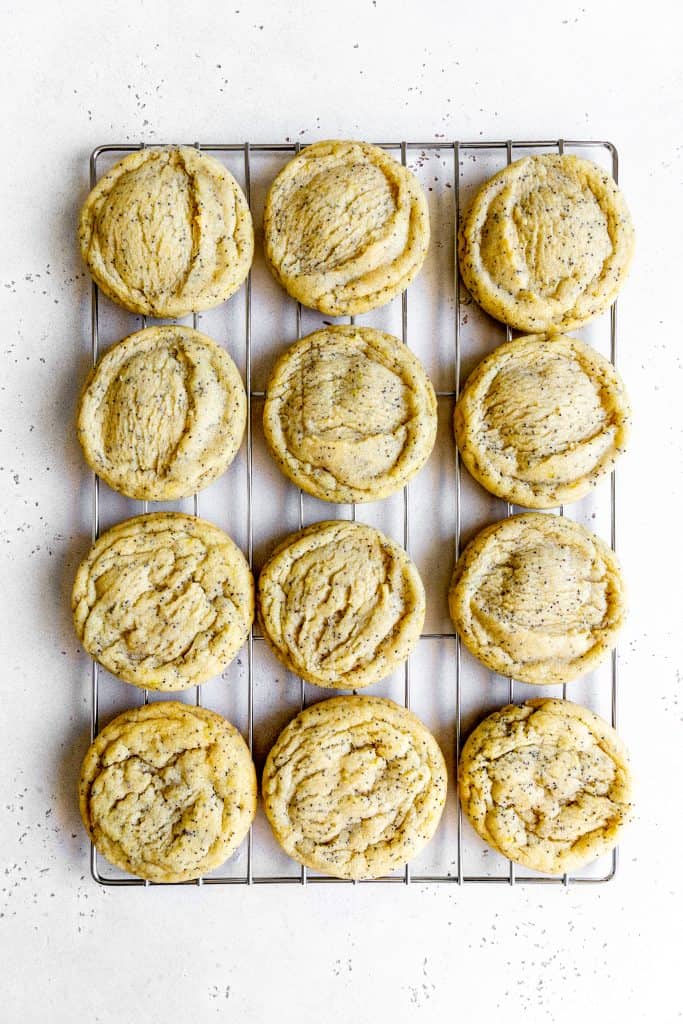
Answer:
(464, 690)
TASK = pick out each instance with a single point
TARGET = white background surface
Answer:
(79, 74)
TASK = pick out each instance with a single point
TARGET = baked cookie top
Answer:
(546, 783)
(350, 414)
(163, 601)
(547, 243)
(541, 420)
(341, 604)
(538, 598)
(168, 791)
(346, 227)
(162, 414)
(354, 787)
(167, 232)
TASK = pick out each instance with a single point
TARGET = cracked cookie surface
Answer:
(547, 243)
(168, 791)
(163, 601)
(341, 604)
(547, 783)
(350, 414)
(163, 413)
(541, 420)
(167, 232)
(354, 787)
(346, 227)
(538, 598)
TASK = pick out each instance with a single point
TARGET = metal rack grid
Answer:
(301, 875)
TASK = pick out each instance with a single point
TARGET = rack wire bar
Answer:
(300, 875)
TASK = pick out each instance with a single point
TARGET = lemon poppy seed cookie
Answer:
(547, 784)
(163, 601)
(354, 787)
(538, 597)
(168, 791)
(346, 227)
(162, 414)
(167, 232)
(350, 414)
(341, 604)
(547, 243)
(541, 420)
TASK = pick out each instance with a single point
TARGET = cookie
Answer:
(538, 598)
(341, 605)
(354, 787)
(162, 414)
(167, 232)
(547, 243)
(163, 601)
(546, 783)
(350, 414)
(346, 227)
(168, 791)
(541, 420)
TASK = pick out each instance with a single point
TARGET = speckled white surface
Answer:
(80, 74)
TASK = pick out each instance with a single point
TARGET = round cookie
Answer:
(162, 414)
(346, 227)
(168, 791)
(167, 232)
(547, 243)
(541, 420)
(547, 784)
(341, 605)
(538, 598)
(354, 787)
(163, 601)
(350, 414)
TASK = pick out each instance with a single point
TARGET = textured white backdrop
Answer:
(77, 74)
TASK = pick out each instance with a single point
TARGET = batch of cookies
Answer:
(354, 786)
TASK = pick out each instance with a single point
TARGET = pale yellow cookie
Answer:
(346, 227)
(541, 420)
(168, 791)
(538, 597)
(164, 601)
(350, 414)
(167, 232)
(341, 604)
(547, 243)
(162, 414)
(547, 784)
(354, 787)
